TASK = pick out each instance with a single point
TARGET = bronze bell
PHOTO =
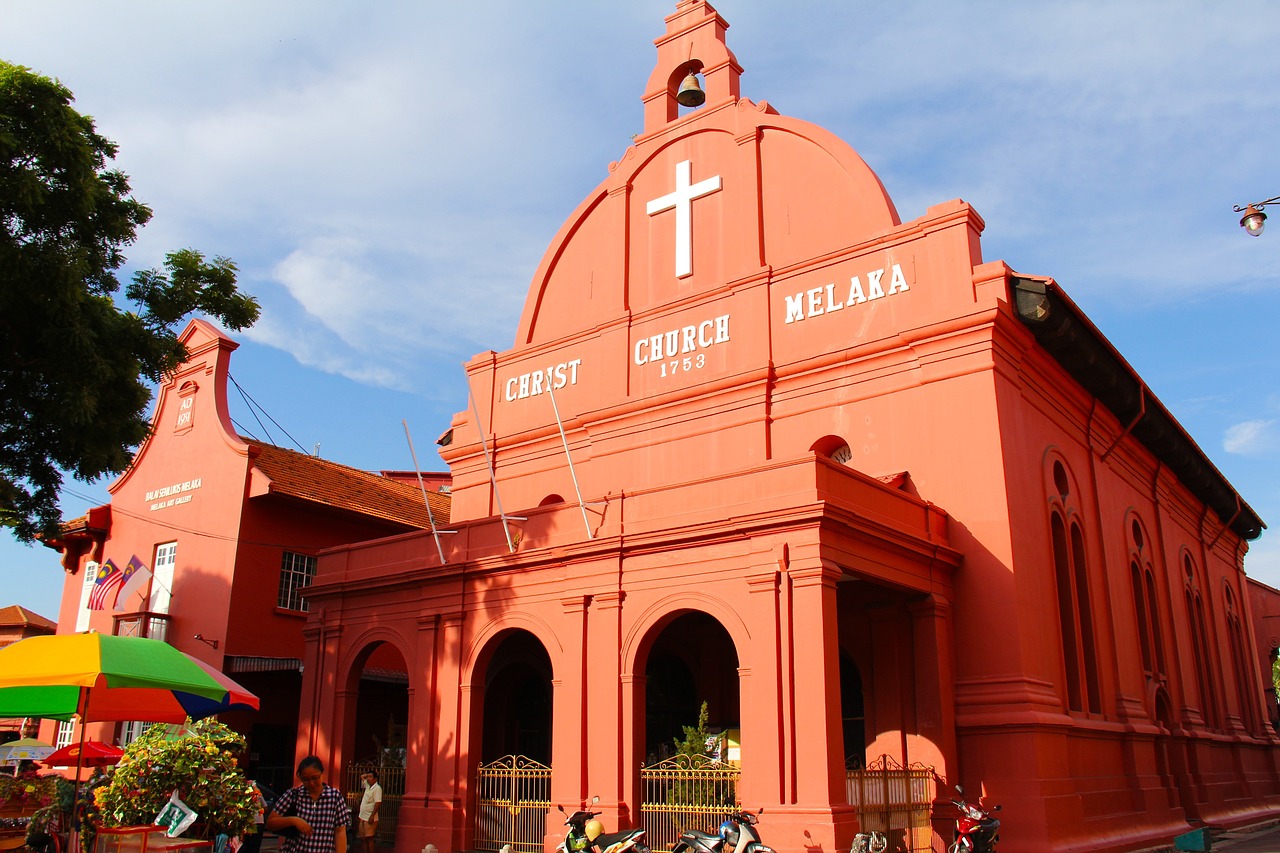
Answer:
(690, 93)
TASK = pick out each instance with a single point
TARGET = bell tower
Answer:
(694, 43)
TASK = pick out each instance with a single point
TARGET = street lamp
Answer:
(1254, 220)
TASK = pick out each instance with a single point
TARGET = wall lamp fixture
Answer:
(211, 643)
(1254, 220)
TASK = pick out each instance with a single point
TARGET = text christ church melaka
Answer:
(883, 506)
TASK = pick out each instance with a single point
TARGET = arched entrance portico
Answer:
(375, 738)
(513, 776)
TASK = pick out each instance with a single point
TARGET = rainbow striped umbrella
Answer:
(101, 677)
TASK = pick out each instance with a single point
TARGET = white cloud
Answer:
(1251, 438)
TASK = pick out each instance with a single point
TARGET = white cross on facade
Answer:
(682, 201)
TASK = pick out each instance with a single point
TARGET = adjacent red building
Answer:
(229, 529)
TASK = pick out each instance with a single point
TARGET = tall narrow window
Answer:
(1243, 678)
(86, 589)
(296, 572)
(162, 577)
(1075, 611)
(66, 734)
(1207, 698)
(1146, 605)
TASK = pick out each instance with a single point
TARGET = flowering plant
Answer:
(26, 790)
(198, 762)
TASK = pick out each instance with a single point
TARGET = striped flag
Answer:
(109, 577)
(135, 575)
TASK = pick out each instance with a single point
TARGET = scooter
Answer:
(587, 834)
(976, 830)
(869, 842)
(737, 835)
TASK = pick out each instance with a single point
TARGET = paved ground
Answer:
(1251, 840)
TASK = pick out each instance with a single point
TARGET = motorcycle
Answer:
(737, 835)
(869, 842)
(976, 830)
(587, 834)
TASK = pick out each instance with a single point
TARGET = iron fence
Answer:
(513, 796)
(894, 800)
(392, 781)
(685, 792)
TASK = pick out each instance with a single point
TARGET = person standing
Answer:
(311, 817)
(370, 805)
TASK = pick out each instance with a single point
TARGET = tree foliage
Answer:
(76, 369)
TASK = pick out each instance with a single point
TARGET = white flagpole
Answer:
(430, 515)
(572, 474)
(493, 478)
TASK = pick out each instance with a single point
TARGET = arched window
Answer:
(1208, 699)
(1239, 666)
(1146, 604)
(1075, 611)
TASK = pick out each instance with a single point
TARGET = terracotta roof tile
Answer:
(311, 478)
(16, 614)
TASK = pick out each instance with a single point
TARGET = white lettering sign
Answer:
(678, 350)
(825, 300)
(681, 200)
(178, 493)
(537, 382)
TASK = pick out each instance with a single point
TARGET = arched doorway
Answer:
(513, 779)
(853, 714)
(692, 727)
(377, 741)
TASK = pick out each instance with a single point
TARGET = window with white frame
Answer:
(66, 734)
(296, 572)
(86, 589)
(131, 731)
(162, 577)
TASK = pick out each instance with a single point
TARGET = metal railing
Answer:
(685, 792)
(392, 781)
(894, 800)
(143, 623)
(513, 797)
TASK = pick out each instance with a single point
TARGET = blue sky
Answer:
(388, 175)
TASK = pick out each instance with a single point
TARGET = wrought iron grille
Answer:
(685, 792)
(392, 781)
(894, 800)
(513, 796)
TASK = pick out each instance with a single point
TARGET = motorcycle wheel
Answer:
(877, 843)
(644, 848)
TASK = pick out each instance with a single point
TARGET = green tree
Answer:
(77, 370)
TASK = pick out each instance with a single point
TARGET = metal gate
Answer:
(895, 800)
(392, 781)
(513, 796)
(685, 792)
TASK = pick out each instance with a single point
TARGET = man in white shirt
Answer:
(370, 804)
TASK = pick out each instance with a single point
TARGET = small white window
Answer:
(66, 734)
(162, 577)
(86, 588)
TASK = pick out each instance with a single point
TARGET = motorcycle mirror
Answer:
(997, 808)
(561, 808)
(959, 790)
(595, 800)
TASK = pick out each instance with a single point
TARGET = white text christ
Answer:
(682, 201)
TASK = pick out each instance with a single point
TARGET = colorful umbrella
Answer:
(102, 677)
(27, 749)
(91, 753)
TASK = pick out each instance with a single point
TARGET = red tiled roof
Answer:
(311, 478)
(16, 614)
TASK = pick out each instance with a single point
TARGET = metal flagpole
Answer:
(572, 474)
(493, 479)
(417, 470)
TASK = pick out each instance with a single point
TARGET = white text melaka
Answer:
(824, 300)
(538, 382)
(687, 339)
